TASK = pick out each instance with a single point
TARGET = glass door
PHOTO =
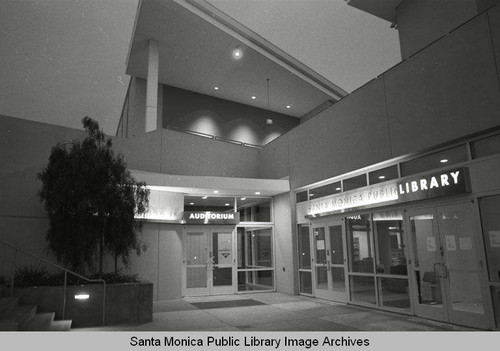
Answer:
(208, 262)
(448, 267)
(329, 261)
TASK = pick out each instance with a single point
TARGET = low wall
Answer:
(125, 303)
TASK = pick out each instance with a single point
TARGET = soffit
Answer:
(196, 55)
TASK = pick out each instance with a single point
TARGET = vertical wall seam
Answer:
(387, 116)
(493, 48)
(158, 268)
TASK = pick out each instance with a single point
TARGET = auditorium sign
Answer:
(448, 183)
(208, 217)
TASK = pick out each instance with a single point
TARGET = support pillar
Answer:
(152, 87)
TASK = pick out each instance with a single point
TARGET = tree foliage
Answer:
(91, 200)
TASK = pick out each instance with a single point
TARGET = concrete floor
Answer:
(280, 312)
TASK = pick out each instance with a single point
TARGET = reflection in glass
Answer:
(255, 280)
(391, 247)
(304, 247)
(305, 282)
(254, 209)
(338, 279)
(360, 241)
(490, 220)
(394, 293)
(429, 288)
(362, 289)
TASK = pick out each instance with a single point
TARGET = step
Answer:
(16, 318)
(62, 325)
(39, 322)
(8, 304)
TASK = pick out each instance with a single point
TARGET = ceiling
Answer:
(196, 54)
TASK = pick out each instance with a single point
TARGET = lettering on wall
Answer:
(207, 217)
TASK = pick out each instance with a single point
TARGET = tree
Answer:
(91, 201)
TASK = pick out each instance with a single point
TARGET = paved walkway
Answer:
(272, 312)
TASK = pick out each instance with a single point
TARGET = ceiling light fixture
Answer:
(381, 177)
(216, 191)
(237, 53)
(269, 120)
(243, 198)
(226, 204)
(338, 189)
(257, 193)
(254, 97)
(204, 197)
(216, 88)
(311, 194)
(191, 203)
(288, 106)
(444, 160)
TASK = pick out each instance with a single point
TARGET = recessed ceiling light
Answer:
(237, 53)
(288, 106)
(191, 203)
(311, 194)
(216, 88)
(254, 97)
(444, 160)
(216, 191)
(257, 193)
(204, 197)
(226, 204)
(338, 188)
(243, 198)
(381, 177)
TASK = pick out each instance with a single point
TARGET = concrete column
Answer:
(152, 87)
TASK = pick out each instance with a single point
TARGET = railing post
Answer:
(64, 296)
(14, 266)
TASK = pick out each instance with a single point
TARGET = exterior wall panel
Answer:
(351, 134)
(440, 17)
(284, 244)
(446, 91)
(274, 160)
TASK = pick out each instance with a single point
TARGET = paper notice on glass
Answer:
(451, 243)
(495, 238)
(465, 243)
(431, 243)
(320, 244)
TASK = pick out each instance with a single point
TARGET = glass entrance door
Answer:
(448, 268)
(208, 262)
(329, 261)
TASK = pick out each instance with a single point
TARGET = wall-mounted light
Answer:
(82, 297)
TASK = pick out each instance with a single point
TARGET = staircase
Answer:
(14, 316)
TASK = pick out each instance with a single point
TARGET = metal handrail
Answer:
(66, 271)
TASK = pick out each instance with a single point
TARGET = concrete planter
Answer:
(125, 303)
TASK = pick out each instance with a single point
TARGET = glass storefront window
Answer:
(208, 203)
(490, 220)
(394, 293)
(436, 160)
(391, 258)
(301, 196)
(383, 175)
(254, 209)
(362, 289)
(255, 258)
(325, 190)
(360, 244)
(304, 247)
(486, 147)
(355, 182)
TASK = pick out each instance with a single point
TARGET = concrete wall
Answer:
(226, 119)
(449, 90)
(440, 17)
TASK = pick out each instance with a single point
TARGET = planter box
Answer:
(125, 303)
